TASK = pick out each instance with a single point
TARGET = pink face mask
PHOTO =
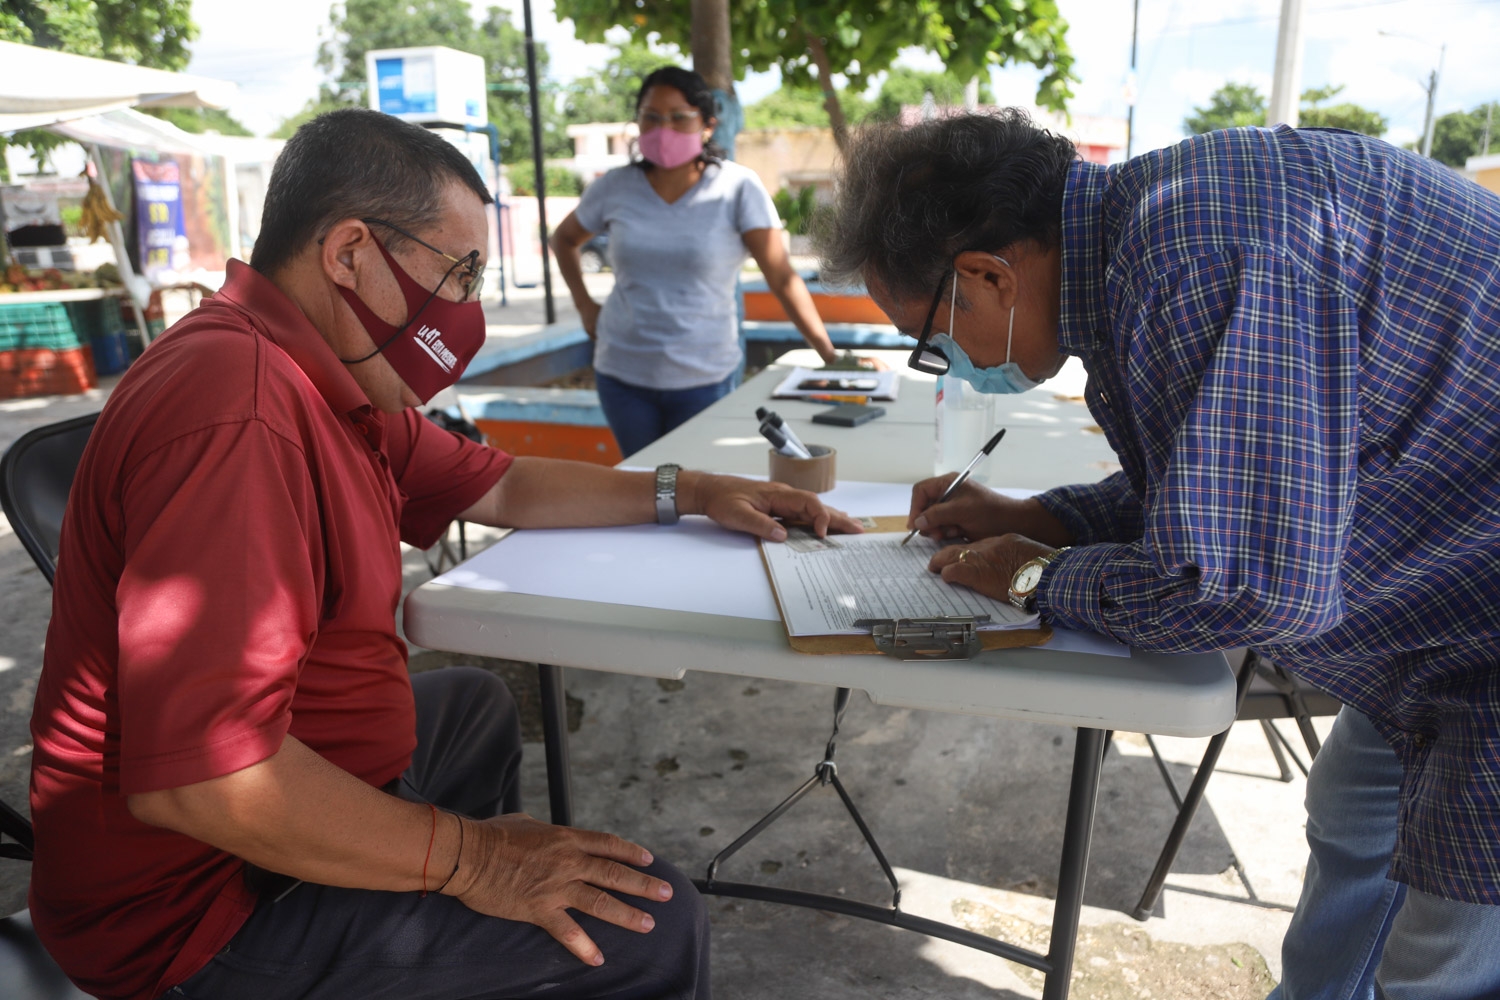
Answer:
(668, 148)
(436, 343)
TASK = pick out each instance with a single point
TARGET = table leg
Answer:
(1078, 830)
(555, 733)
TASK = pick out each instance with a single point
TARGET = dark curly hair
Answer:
(912, 199)
(697, 92)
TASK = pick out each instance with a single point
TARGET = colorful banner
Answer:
(162, 237)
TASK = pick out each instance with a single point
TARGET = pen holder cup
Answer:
(815, 474)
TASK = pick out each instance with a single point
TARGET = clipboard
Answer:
(845, 644)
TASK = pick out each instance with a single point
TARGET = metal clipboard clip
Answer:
(955, 638)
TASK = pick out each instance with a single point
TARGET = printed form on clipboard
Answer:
(824, 585)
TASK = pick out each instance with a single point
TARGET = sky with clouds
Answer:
(1380, 51)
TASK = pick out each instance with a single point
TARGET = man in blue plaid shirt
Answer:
(1292, 341)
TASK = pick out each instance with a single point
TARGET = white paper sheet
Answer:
(691, 566)
(888, 383)
(823, 592)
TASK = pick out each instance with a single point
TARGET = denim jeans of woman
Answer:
(638, 415)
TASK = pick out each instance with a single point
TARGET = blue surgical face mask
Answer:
(1005, 379)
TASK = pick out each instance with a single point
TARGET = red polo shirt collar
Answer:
(279, 320)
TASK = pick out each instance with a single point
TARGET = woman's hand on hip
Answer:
(589, 314)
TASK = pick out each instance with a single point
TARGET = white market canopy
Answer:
(39, 87)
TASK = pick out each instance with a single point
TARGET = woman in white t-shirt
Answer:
(681, 221)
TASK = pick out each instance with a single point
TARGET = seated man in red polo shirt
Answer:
(238, 790)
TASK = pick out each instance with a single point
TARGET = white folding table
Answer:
(505, 609)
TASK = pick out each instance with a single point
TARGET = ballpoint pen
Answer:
(962, 475)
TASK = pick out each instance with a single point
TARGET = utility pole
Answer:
(1130, 88)
(713, 61)
(1286, 85)
(1432, 85)
(1489, 121)
(536, 160)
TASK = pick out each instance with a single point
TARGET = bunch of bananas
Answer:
(97, 212)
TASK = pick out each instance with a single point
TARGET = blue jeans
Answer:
(1356, 934)
(639, 416)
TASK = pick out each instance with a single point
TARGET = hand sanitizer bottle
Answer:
(965, 421)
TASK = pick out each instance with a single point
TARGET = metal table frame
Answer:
(1078, 830)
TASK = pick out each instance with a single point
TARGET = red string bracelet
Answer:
(430, 840)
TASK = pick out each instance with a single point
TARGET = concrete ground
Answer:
(968, 810)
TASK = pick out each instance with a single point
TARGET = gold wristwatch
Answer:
(1023, 584)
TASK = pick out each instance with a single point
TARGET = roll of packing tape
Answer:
(815, 474)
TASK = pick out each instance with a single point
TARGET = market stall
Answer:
(89, 100)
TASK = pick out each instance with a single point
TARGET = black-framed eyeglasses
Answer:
(473, 273)
(926, 358)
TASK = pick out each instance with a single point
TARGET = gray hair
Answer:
(912, 199)
(351, 164)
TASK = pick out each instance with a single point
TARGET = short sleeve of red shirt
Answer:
(213, 631)
(441, 474)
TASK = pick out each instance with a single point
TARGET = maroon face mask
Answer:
(436, 343)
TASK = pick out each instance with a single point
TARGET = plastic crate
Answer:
(32, 325)
(44, 372)
(92, 317)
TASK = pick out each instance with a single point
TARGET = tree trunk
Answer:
(713, 60)
(830, 99)
(710, 42)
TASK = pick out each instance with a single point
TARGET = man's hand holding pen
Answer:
(1002, 533)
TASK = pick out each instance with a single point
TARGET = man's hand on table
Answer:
(520, 868)
(989, 565)
(752, 506)
(976, 512)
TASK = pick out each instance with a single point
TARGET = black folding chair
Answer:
(35, 476)
(1266, 692)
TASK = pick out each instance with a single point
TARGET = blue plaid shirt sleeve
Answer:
(1243, 398)
(1106, 511)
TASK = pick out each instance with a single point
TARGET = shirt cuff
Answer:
(1070, 592)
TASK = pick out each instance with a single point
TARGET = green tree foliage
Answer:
(609, 95)
(800, 107)
(201, 120)
(858, 38)
(1460, 135)
(1234, 105)
(796, 210)
(151, 33)
(1315, 114)
(1237, 105)
(904, 86)
(361, 26)
(561, 181)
